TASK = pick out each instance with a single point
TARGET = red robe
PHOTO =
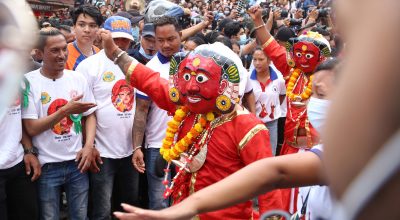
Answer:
(296, 117)
(234, 143)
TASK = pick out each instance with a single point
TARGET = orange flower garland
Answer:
(182, 145)
(292, 83)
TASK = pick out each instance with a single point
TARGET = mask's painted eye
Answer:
(309, 56)
(186, 76)
(201, 78)
(298, 54)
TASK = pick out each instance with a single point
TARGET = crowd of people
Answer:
(205, 109)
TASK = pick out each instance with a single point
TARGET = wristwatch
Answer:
(31, 150)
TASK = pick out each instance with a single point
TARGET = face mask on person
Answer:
(316, 112)
(147, 56)
(242, 39)
(135, 33)
(226, 13)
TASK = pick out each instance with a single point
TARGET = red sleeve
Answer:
(150, 82)
(259, 147)
(277, 54)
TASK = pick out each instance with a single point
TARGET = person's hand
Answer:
(108, 43)
(208, 18)
(277, 14)
(84, 157)
(313, 14)
(74, 106)
(172, 213)
(255, 12)
(286, 22)
(137, 161)
(298, 14)
(234, 14)
(31, 162)
(94, 167)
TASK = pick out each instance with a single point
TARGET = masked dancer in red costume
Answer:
(297, 63)
(210, 136)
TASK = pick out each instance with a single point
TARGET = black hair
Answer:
(65, 28)
(212, 36)
(166, 20)
(197, 40)
(329, 64)
(226, 41)
(223, 23)
(321, 30)
(67, 22)
(45, 33)
(90, 10)
(232, 29)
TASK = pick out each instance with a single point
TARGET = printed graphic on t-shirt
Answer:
(271, 116)
(263, 112)
(64, 125)
(15, 107)
(17, 101)
(122, 96)
(45, 98)
(108, 76)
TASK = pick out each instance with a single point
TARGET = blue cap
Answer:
(120, 27)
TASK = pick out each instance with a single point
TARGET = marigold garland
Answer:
(182, 145)
(292, 83)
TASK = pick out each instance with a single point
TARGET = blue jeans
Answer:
(118, 176)
(273, 134)
(76, 185)
(155, 187)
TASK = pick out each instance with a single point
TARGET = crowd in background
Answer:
(201, 22)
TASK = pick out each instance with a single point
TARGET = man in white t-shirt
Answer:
(19, 168)
(114, 117)
(58, 99)
(168, 40)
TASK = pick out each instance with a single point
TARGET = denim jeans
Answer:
(273, 134)
(75, 183)
(18, 195)
(155, 187)
(118, 176)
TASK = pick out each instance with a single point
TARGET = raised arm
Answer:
(270, 46)
(137, 74)
(189, 32)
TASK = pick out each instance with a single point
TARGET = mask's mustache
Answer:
(197, 95)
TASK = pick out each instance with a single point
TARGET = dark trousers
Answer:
(18, 195)
(116, 183)
(281, 133)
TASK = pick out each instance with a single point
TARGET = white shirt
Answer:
(61, 143)
(157, 118)
(319, 203)
(11, 149)
(267, 99)
(115, 105)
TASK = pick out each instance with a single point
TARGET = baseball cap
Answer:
(120, 27)
(148, 30)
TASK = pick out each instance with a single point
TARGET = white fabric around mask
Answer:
(316, 112)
